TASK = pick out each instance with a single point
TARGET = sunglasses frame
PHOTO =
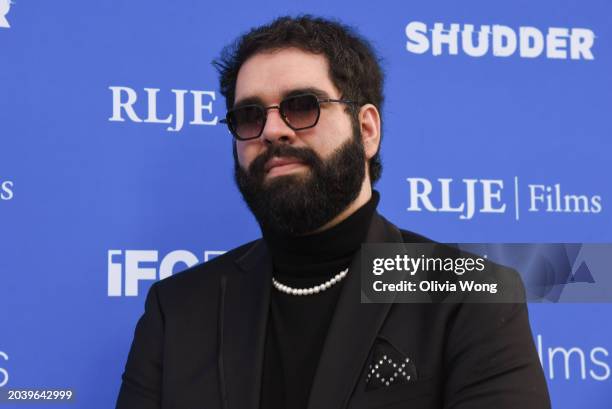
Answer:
(265, 110)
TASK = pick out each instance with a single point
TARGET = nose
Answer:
(276, 130)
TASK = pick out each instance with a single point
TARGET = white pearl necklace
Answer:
(311, 290)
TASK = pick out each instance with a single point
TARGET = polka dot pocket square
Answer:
(388, 367)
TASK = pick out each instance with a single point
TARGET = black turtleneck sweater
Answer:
(297, 325)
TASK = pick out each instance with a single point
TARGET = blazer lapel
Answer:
(245, 300)
(352, 331)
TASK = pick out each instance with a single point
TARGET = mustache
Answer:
(305, 155)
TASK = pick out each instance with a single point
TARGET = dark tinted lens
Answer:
(301, 111)
(247, 122)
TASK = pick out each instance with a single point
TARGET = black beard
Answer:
(297, 204)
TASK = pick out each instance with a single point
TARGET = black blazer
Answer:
(200, 343)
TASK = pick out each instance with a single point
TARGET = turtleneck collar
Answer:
(299, 253)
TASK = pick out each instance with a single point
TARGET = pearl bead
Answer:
(311, 290)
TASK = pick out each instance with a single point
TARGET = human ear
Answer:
(369, 125)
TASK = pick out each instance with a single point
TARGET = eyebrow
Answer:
(255, 100)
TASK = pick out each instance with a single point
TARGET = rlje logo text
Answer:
(470, 196)
(124, 99)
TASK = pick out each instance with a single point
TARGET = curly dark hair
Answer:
(354, 67)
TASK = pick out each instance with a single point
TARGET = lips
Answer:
(275, 162)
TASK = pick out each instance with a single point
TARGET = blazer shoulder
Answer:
(205, 274)
(412, 237)
(407, 235)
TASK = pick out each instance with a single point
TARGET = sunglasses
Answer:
(299, 112)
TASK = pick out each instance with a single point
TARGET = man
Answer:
(278, 322)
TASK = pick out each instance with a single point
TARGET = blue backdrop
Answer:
(505, 105)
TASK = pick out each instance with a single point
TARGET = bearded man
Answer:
(278, 322)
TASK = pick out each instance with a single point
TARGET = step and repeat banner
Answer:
(115, 171)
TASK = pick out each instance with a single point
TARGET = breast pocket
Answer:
(422, 393)
(392, 379)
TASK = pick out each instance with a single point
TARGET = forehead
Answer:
(268, 76)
